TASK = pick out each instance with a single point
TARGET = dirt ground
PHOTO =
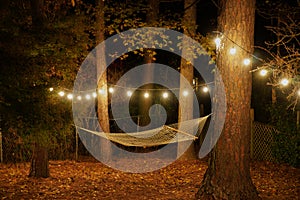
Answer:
(93, 180)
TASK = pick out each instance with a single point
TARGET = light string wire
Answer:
(218, 40)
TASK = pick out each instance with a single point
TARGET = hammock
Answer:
(158, 136)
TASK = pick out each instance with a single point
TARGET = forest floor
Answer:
(93, 180)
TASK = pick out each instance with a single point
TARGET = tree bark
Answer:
(187, 71)
(103, 116)
(39, 162)
(228, 174)
(37, 13)
(144, 105)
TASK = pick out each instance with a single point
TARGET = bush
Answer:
(286, 146)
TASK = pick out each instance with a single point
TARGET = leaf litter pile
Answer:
(93, 180)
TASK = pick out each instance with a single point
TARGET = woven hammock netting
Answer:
(179, 132)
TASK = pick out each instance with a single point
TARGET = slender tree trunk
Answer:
(37, 12)
(39, 162)
(187, 71)
(103, 117)
(228, 174)
(144, 105)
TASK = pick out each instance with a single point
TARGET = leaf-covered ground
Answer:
(93, 180)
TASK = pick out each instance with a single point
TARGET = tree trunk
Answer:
(144, 105)
(187, 71)
(39, 162)
(228, 174)
(103, 117)
(37, 12)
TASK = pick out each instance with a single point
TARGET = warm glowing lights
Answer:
(146, 95)
(232, 51)
(263, 72)
(111, 90)
(205, 89)
(185, 93)
(217, 42)
(235, 48)
(129, 93)
(70, 96)
(165, 95)
(61, 93)
(284, 82)
(87, 97)
(101, 91)
(247, 61)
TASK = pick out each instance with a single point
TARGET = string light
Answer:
(111, 90)
(61, 93)
(246, 61)
(101, 91)
(129, 93)
(284, 82)
(88, 97)
(146, 95)
(217, 42)
(185, 93)
(70, 96)
(263, 72)
(205, 89)
(232, 51)
(165, 95)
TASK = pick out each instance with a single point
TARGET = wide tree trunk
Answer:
(39, 162)
(228, 174)
(103, 117)
(187, 71)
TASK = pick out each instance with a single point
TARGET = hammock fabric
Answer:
(155, 137)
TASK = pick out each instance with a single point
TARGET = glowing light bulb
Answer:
(263, 72)
(247, 61)
(88, 97)
(94, 94)
(232, 51)
(165, 95)
(218, 42)
(61, 93)
(111, 90)
(205, 89)
(51, 89)
(146, 95)
(70, 96)
(284, 82)
(101, 91)
(298, 92)
(185, 93)
(79, 98)
(129, 93)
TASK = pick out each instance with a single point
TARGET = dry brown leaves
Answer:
(93, 180)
